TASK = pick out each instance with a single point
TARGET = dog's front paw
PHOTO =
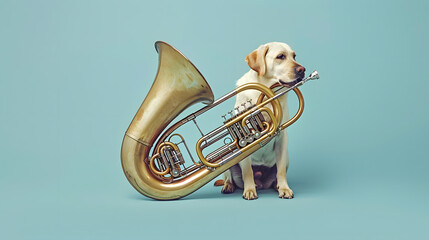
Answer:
(285, 193)
(250, 194)
(228, 187)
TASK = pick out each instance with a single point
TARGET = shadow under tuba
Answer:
(178, 84)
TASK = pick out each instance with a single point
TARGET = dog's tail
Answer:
(219, 182)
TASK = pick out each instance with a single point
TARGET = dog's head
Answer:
(275, 62)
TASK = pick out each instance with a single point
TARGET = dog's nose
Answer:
(300, 70)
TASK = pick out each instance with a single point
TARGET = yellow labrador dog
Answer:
(271, 63)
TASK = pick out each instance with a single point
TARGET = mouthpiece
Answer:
(313, 75)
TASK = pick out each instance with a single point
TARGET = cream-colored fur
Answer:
(267, 68)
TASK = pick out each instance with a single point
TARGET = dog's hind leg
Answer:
(228, 185)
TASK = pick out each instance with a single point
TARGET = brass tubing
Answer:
(186, 146)
(215, 139)
(275, 118)
(193, 116)
(297, 114)
(158, 154)
(266, 91)
(267, 125)
(273, 128)
(222, 151)
(141, 178)
(154, 168)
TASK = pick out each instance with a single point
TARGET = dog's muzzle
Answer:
(290, 84)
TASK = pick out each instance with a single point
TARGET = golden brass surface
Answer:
(297, 114)
(272, 127)
(177, 85)
(158, 154)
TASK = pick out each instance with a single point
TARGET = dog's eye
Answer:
(294, 56)
(281, 56)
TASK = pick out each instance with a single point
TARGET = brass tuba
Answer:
(164, 174)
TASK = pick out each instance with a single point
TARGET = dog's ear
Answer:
(256, 60)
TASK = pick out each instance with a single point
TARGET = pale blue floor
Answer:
(351, 203)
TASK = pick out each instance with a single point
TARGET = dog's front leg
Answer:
(249, 192)
(282, 162)
(228, 186)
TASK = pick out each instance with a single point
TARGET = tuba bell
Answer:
(155, 165)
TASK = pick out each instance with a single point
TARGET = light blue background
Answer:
(73, 73)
